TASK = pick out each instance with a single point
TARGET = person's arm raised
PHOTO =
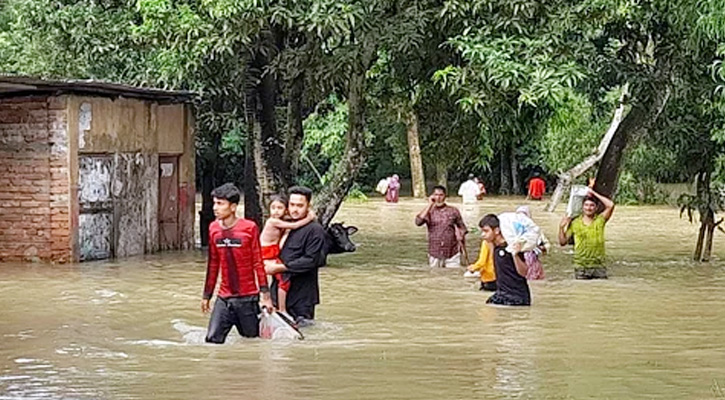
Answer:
(606, 202)
(563, 227)
(422, 216)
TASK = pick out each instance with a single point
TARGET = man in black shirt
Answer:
(304, 251)
(511, 286)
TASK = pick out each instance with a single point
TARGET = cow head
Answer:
(340, 238)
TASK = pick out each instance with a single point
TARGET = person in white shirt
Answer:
(469, 190)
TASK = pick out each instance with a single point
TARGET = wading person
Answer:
(302, 254)
(484, 265)
(511, 286)
(537, 187)
(588, 233)
(533, 261)
(469, 190)
(391, 196)
(442, 221)
(273, 235)
(234, 249)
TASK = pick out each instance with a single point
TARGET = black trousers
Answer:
(590, 273)
(488, 286)
(301, 310)
(504, 300)
(242, 312)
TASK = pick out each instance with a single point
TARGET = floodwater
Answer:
(388, 326)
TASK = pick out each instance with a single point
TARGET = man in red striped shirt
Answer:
(234, 250)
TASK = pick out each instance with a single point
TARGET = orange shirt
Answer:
(537, 187)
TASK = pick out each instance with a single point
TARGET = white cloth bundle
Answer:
(518, 228)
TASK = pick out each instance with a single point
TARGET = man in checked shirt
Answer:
(445, 228)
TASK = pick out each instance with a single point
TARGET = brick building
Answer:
(91, 170)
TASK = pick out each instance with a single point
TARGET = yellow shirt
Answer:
(485, 263)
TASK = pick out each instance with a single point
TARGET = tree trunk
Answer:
(253, 209)
(515, 183)
(566, 178)
(708, 239)
(295, 134)
(703, 249)
(700, 240)
(416, 160)
(639, 119)
(275, 170)
(505, 188)
(442, 174)
(344, 173)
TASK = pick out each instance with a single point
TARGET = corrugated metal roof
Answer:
(17, 85)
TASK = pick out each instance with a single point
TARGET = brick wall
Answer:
(34, 180)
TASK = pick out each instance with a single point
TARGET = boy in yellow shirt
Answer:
(484, 265)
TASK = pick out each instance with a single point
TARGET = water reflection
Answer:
(388, 326)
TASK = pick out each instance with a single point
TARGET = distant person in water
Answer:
(537, 187)
(272, 239)
(445, 227)
(511, 286)
(391, 196)
(533, 257)
(481, 188)
(588, 233)
(469, 190)
(234, 250)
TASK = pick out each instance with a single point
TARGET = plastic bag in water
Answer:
(518, 228)
(277, 326)
(576, 200)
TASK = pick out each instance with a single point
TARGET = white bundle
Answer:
(382, 186)
(518, 228)
(576, 200)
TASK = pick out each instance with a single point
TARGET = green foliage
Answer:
(639, 190)
(483, 76)
(357, 195)
(573, 132)
(325, 131)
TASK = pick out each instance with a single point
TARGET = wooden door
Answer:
(169, 203)
(95, 221)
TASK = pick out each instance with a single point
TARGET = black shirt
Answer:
(303, 253)
(510, 286)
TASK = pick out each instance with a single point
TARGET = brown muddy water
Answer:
(388, 326)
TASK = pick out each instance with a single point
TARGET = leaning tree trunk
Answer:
(708, 239)
(416, 160)
(566, 178)
(345, 171)
(639, 119)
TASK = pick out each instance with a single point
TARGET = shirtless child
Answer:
(272, 239)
